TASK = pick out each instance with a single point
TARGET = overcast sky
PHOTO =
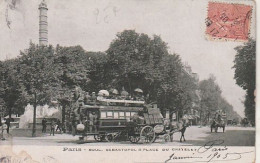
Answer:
(93, 25)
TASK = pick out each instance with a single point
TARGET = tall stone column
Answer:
(43, 24)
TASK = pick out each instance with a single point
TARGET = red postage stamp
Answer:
(228, 21)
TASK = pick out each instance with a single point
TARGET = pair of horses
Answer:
(216, 124)
(177, 127)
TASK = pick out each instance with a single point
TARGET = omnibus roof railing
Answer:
(121, 101)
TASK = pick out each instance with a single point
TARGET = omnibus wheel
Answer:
(110, 137)
(155, 138)
(81, 140)
(134, 139)
(99, 137)
(148, 134)
(167, 137)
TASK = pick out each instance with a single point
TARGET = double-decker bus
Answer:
(106, 116)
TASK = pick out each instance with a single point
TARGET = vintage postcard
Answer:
(141, 81)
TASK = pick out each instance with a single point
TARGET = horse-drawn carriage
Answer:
(133, 121)
(218, 121)
(120, 119)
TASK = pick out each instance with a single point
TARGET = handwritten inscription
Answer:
(210, 152)
(106, 14)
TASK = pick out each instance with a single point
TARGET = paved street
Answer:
(233, 136)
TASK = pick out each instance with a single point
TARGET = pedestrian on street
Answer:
(95, 120)
(3, 127)
(44, 125)
(7, 122)
(52, 127)
(86, 124)
(74, 126)
(58, 125)
(91, 122)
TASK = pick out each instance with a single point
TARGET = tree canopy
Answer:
(133, 60)
(212, 100)
(245, 72)
(138, 61)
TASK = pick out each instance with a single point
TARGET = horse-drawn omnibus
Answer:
(114, 119)
(123, 120)
(108, 116)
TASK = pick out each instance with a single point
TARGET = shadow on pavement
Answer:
(230, 137)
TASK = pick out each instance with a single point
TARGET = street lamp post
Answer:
(34, 115)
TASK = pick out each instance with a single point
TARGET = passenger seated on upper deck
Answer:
(124, 94)
(93, 97)
(100, 97)
(113, 93)
(112, 96)
(139, 98)
(87, 98)
(128, 98)
(119, 98)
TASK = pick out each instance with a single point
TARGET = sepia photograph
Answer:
(127, 81)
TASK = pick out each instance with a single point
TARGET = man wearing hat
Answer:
(92, 122)
(93, 97)
(44, 125)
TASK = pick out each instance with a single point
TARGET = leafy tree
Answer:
(225, 106)
(136, 60)
(210, 97)
(128, 57)
(2, 91)
(212, 100)
(177, 87)
(35, 69)
(245, 72)
(11, 90)
(72, 64)
(98, 72)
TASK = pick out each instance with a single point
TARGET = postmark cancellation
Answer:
(228, 21)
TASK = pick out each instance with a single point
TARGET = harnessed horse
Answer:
(178, 127)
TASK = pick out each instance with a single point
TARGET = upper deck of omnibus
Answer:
(115, 108)
(115, 102)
